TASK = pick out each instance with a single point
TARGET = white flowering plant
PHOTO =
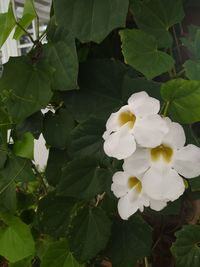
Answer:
(100, 135)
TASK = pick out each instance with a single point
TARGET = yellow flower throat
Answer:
(125, 117)
(163, 151)
(135, 182)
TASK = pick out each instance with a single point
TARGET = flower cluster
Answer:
(155, 158)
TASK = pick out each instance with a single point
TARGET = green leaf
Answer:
(60, 53)
(16, 170)
(101, 84)
(82, 178)
(131, 239)
(186, 248)
(140, 51)
(105, 86)
(24, 148)
(31, 124)
(53, 215)
(192, 42)
(192, 69)
(58, 254)
(91, 20)
(15, 238)
(183, 97)
(156, 17)
(195, 184)
(7, 23)
(29, 14)
(56, 161)
(23, 263)
(90, 233)
(8, 202)
(87, 139)
(57, 128)
(25, 87)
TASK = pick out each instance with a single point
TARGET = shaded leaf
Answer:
(186, 248)
(56, 161)
(57, 128)
(92, 20)
(87, 139)
(90, 233)
(8, 202)
(140, 50)
(25, 87)
(131, 239)
(31, 124)
(82, 178)
(16, 170)
(53, 214)
(105, 85)
(60, 53)
(156, 17)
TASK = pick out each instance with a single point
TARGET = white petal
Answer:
(106, 135)
(41, 153)
(128, 205)
(150, 130)
(157, 204)
(163, 184)
(187, 161)
(175, 136)
(143, 105)
(138, 162)
(112, 122)
(120, 144)
(119, 185)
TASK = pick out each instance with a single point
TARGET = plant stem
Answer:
(25, 31)
(146, 262)
(100, 198)
(173, 69)
(166, 109)
(38, 27)
(177, 44)
(40, 176)
(180, 73)
(42, 35)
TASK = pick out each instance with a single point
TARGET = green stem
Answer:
(146, 262)
(40, 176)
(173, 69)
(177, 44)
(42, 36)
(25, 31)
(162, 109)
(180, 73)
(166, 109)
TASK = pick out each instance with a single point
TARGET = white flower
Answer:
(129, 189)
(136, 122)
(163, 165)
(41, 153)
